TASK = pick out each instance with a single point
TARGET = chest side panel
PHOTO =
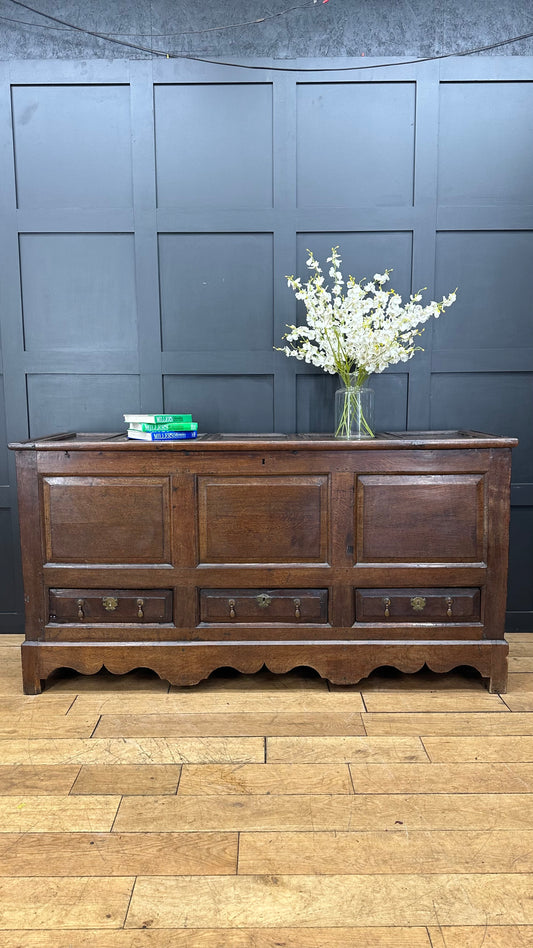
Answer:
(107, 519)
(421, 518)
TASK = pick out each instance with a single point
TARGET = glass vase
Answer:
(354, 412)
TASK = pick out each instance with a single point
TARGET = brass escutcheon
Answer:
(263, 600)
(418, 603)
(110, 603)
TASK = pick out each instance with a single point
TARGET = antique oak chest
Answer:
(276, 550)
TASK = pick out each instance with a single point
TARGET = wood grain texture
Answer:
(343, 812)
(60, 903)
(374, 937)
(433, 702)
(41, 814)
(236, 724)
(134, 751)
(219, 700)
(32, 779)
(309, 901)
(454, 724)
(504, 749)
(442, 778)
(117, 854)
(127, 779)
(498, 936)
(343, 749)
(213, 779)
(401, 851)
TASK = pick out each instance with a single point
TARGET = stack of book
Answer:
(161, 427)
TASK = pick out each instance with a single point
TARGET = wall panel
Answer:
(72, 146)
(214, 145)
(78, 291)
(216, 291)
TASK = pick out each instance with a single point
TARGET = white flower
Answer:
(364, 329)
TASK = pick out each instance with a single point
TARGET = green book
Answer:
(156, 419)
(172, 426)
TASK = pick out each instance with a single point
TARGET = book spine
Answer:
(169, 419)
(174, 426)
(172, 435)
(157, 419)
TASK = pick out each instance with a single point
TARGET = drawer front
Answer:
(417, 605)
(110, 605)
(264, 605)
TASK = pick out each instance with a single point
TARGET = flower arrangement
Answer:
(355, 329)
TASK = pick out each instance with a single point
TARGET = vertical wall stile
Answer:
(146, 242)
(424, 235)
(284, 193)
(13, 378)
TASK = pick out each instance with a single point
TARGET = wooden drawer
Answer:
(417, 605)
(264, 605)
(110, 605)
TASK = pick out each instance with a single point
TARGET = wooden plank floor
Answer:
(267, 812)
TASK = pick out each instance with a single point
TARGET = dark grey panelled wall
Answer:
(150, 210)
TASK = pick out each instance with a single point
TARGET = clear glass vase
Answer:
(354, 411)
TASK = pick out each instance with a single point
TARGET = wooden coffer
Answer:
(264, 550)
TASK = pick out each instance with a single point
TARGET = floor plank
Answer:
(214, 779)
(499, 936)
(133, 751)
(386, 852)
(127, 779)
(518, 682)
(452, 724)
(504, 749)
(29, 779)
(520, 701)
(308, 750)
(42, 814)
(307, 901)
(224, 938)
(220, 701)
(233, 724)
(117, 854)
(442, 778)
(38, 721)
(64, 903)
(343, 812)
(433, 701)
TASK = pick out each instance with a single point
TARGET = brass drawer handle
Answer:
(449, 603)
(418, 603)
(297, 611)
(386, 603)
(140, 612)
(79, 604)
(231, 605)
(110, 603)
